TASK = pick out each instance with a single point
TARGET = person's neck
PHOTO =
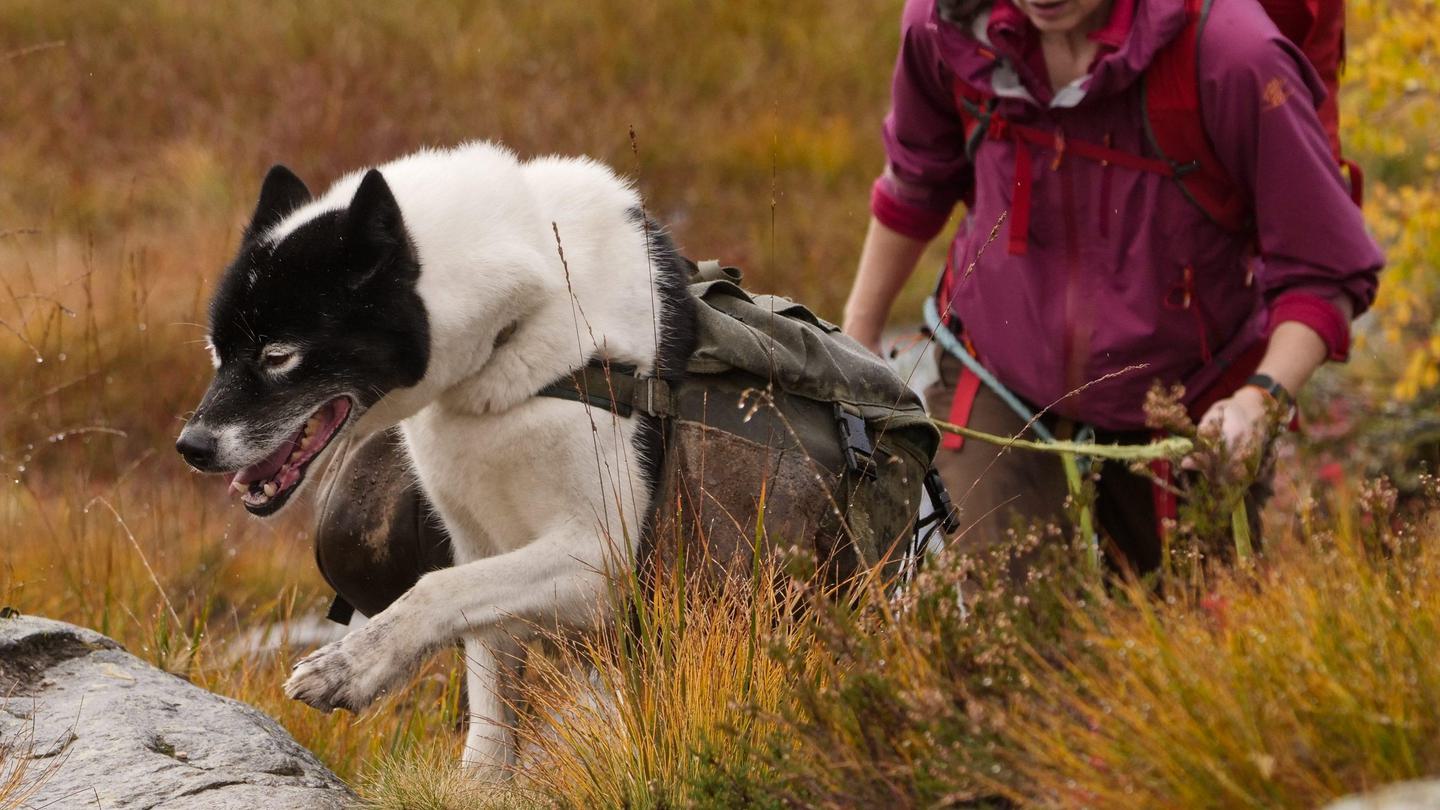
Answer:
(1068, 54)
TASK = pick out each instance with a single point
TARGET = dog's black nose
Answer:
(198, 447)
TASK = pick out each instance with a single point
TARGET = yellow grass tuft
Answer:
(1310, 679)
(658, 707)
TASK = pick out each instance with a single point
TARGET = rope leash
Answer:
(1172, 448)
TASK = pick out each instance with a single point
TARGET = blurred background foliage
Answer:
(1390, 103)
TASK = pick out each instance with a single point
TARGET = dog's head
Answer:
(310, 326)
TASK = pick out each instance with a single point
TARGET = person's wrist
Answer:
(861, 319)
(1270, 395)
(1271, 389)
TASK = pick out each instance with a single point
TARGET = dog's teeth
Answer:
(305, 441)
(239, 487)
(270, 489)
(311, 426)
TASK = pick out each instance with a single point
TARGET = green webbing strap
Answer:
(613, 388)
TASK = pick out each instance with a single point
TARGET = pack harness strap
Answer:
(616, 388)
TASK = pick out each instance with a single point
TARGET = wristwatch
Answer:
(1273, 389)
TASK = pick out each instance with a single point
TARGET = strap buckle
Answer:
(652, 396)
(855, 443)
(945, 511)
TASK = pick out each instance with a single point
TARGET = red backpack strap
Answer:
(1176, 129)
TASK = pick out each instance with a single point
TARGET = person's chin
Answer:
(1053, 16)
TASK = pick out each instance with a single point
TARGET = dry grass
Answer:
(1306, 678)
(645, 714)
(22, 775)
(1309, 680)
(756, 123)
(132, 139)
(429, 780)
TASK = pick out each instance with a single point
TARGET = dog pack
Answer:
(775, 404)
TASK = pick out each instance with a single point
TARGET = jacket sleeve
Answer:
(1259, 94)
(926, 170)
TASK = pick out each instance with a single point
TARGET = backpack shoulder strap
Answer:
(976, 108)
(1175, 126)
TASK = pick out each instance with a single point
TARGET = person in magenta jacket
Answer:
(1118, 279)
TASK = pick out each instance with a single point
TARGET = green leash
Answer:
(1172, 448)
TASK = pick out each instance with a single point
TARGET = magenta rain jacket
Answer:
(1103, 284)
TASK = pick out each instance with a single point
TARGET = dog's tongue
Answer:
(264, 470)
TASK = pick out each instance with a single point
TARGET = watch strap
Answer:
(1273, 388)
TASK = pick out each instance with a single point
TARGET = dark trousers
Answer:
(997, 489)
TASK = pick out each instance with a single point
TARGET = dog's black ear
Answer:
(374, 228)
(374, 217)
(281, 193)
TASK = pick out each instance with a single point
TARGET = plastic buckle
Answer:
(855, 443)
(341, 611)
(940, 498)
(1183, 169)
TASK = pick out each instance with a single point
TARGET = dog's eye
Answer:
(279, 358)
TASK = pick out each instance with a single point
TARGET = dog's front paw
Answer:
(326, 679)
(351, 673)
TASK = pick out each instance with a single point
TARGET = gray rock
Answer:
(1402, 796)
(107, 730)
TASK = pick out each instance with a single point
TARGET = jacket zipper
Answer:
(1074, 344)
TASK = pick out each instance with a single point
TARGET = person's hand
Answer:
(1242, 424)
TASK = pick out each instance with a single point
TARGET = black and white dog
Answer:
(441, 292)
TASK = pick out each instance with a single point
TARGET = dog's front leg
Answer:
(557, 580)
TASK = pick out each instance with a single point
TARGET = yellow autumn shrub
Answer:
(1390, 101)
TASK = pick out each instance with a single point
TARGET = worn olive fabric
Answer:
(782, 342)
(768, 373)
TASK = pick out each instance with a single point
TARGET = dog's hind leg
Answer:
(493, 669)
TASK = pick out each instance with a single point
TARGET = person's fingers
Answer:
(1239, 431)
(1212, 425)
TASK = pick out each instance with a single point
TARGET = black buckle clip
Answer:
(855, 443)
(945, 510)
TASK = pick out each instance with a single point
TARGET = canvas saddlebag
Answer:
(775, 403)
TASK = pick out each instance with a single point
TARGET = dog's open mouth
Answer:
(265, 486)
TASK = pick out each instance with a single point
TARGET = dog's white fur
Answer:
(533, 497)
